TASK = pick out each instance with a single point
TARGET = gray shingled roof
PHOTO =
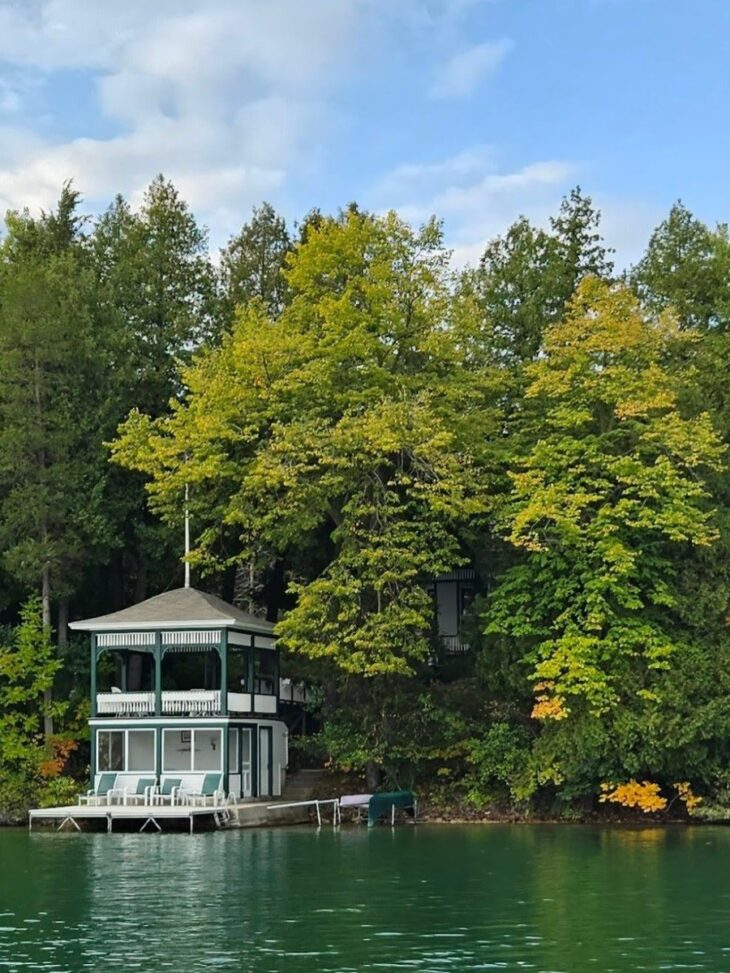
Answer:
(181, 606)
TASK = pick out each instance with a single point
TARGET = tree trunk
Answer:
(140, 587)
(46, 610)
(63, 623)
(248, 589)
(372, 775)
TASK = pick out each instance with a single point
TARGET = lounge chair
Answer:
(105, 791)
(168, 792)
(209, 789)
(142, 794)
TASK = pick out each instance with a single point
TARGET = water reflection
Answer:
(420, 899)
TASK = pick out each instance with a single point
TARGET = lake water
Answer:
(448, 899)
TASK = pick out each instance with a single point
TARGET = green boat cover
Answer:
(382, 803)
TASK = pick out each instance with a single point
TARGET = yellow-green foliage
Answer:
(610, 491)
(360, 417)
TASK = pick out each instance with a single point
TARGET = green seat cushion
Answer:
(211, 783)
(143, 783)
(106, 783)
(169, 783)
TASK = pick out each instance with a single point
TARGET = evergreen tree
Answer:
(52, 465)
(253, 262)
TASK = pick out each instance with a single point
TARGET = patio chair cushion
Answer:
(143, 783)
(168, 784)
(106, 783)
(210, 785)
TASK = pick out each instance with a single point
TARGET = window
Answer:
(126, 750)
(467, 598)
(110, 750)
(265, 672)
(141, 750)
(191, 750)
(176, 750)
(207, 754)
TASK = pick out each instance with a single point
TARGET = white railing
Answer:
(194, 702)
(292, 692)
(453, 645)
(125, 704)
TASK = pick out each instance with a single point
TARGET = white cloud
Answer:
(226, 97)
(474, 197)
(478, 201)
(464, 72)
(414, 177)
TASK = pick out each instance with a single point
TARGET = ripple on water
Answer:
(432, 900)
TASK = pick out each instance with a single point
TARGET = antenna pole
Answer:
(187, 538)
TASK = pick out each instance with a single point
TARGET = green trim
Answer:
(93, 680)
(158, 674)
(254, 728)
(270, 731)
(92, 757)
(158, 750)
(224, 686)
(224, 764)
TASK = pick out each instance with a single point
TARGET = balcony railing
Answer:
(454, 645)
(195, 702)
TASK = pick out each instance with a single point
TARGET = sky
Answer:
(475, 110)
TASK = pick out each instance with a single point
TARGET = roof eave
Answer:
(92, 625)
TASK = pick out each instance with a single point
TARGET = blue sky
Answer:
(477, 110)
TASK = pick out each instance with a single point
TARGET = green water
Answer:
(418, 899)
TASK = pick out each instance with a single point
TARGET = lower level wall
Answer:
(252, 755)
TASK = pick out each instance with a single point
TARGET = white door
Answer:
(246, 781)
(234, 763)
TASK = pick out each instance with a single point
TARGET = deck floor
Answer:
(249, 813)
(144, 813)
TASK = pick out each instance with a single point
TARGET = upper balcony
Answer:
(185, 653)
(197, 702)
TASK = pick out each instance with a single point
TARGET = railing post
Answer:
(93, 676)
(158, 674)
(224, 672)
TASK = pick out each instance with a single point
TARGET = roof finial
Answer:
(187, 538)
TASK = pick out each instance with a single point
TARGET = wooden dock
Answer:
(150, 816)
(252, 814)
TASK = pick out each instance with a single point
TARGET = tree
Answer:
(52, 467)
(527, 277)
(27, 668)
(157, 286)
(252, 264)
(687, 267)
(347, 429)
(609, 493)
(156, 301)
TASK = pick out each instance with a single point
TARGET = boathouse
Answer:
(184, 684)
